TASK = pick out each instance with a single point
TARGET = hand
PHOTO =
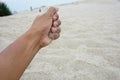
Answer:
(47, 25)
(45, 28)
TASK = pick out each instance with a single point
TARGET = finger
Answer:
(55, 29)
(55, 17)
(51, 36)
(56, 23)
(52, 11)
(54, 36)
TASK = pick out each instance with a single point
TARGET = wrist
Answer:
(33, 38)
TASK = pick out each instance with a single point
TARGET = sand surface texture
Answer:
(89, 46)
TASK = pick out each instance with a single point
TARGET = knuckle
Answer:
(59, 22)
(58, 30)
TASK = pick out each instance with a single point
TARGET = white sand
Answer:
(89, 46)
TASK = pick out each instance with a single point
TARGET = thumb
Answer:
(52, 11)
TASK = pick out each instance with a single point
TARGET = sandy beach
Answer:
(89, 46)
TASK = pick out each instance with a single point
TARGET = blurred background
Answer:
(23, 5)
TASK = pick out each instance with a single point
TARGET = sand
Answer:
(89, 46)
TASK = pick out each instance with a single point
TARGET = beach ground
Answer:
(89, 46)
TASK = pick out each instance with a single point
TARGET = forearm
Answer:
(15, 58)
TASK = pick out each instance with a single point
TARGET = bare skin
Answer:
(17, 56)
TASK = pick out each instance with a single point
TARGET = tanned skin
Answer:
(17, 56)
